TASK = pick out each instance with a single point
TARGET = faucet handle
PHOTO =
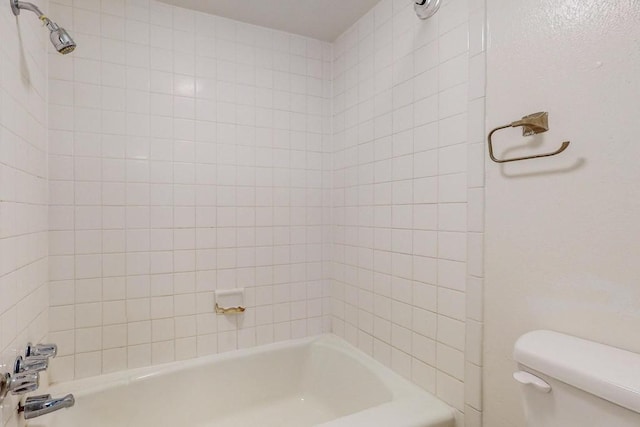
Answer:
(43, 350)
(33, 401)
(30, 364)
(24, 382)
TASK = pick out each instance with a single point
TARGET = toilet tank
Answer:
(571, 382)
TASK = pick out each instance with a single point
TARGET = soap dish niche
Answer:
(229, 301)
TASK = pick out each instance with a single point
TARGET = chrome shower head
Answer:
(61, 40)
(425, 9)
(59, 37)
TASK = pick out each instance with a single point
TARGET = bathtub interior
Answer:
(300, 386)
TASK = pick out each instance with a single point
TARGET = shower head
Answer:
(425, 9)
(60, 39)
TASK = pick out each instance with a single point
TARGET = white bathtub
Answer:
(321, 381)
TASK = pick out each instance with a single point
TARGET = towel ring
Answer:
(532, 124)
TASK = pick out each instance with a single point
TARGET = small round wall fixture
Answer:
(425, 9)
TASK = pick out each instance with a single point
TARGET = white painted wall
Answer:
(563, 234)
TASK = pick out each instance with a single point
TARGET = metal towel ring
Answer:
(532, 124)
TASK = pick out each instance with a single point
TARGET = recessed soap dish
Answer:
(229, 301)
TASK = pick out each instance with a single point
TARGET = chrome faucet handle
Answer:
(34, 401)
(30, 364)
(5, 382)
(24, 382)
(42, 350)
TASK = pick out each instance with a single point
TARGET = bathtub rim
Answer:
(407, 398)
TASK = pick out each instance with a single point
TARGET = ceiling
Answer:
(319, 19)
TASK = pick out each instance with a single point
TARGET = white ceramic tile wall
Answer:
(186, 155)
(23, 187)
(407, 221)
(476, 156)
(190, 152)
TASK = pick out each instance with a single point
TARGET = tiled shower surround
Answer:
(407, 198)
(186, 155)
(23, 189)
(340, 184)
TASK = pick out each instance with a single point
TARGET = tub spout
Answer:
(40, 405)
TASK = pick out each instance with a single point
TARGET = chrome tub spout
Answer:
(36, 406)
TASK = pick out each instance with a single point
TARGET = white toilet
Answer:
(571, 382)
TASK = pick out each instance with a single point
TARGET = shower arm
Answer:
(16, 5)
(59, 37)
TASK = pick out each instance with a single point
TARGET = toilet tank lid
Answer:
(607, 372)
